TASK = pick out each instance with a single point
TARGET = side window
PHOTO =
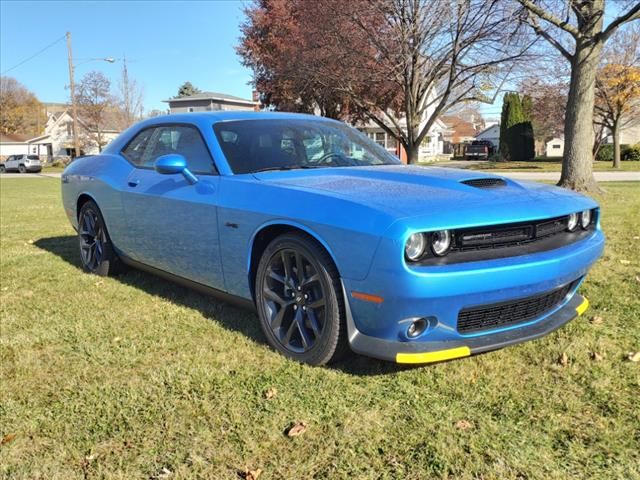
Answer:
(135, 149)
(150, 144)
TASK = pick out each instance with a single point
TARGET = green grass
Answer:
(123, 377)
(534, 166)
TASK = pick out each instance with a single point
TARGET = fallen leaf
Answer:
(116, 339)
(99, 282)
(597, 357)
(296, 429)
(597, 320)
(625, 262)
(464, 425)
(7, 438)
(164, 473)
(636, 237)
(634, 356)
(269, 394)
(638, 278)
(30, 242)
(564, 359)
(251, 474)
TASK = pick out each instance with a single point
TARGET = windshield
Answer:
(258, 145)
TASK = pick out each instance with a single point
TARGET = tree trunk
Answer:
(616, 145)
(413, 153)
(577, 165)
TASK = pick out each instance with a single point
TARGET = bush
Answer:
(627, 153)
(61, 161)
(631, 153)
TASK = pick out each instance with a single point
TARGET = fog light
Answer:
(416, 328)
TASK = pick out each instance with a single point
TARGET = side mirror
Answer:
(172, 164)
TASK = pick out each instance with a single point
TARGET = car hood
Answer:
(437, 193)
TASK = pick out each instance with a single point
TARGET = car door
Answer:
(12, 163)
(172, 224)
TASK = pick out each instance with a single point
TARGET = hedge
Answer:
(627, 153)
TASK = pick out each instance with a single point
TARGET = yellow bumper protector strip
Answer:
(582, 307)
(429, 357)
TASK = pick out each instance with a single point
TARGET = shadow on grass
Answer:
(230, 317)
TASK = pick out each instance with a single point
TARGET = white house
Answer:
(492, 134)
(554, 147)
(57, 140)
(13, 144)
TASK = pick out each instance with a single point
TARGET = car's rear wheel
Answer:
(22, 169)
(96, 251)
(299, 300)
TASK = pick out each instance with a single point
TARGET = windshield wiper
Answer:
(267, 169)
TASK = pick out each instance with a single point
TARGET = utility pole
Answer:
(74, 106)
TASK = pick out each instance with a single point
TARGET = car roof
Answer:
(228, 116)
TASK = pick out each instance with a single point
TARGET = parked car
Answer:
(21, 163)
(478, 150)
(333, 249)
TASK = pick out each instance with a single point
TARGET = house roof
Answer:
(212, 96)
(487, 129)
(12, 138)
(459, 127)
(111, 121)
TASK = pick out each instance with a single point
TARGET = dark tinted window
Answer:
(150, 144)
(254, 145)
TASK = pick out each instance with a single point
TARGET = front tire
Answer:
(299, 300)
(96, 251)
(3, 169)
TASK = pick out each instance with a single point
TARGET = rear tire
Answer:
(96, 250)
(299, 300)
(22, 169)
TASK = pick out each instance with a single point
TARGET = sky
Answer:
(166, 43)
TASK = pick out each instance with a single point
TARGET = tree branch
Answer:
(539, 11)
(632, 14)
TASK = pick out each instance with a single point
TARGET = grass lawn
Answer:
(536, 166)
(136, 378)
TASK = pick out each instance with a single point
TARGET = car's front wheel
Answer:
(299, 300)
(96, 251)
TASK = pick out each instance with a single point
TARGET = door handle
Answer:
(133, 183)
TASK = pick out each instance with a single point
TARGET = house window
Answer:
(190, 109)
(392, 143)
(380, 138)
(555, 146)
(69, 129)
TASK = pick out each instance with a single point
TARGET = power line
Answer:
(35, 54)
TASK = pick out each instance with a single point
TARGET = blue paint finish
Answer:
(361, 215)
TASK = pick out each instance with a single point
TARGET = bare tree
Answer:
(130, 98)
(617, 103)
(95, 103)
(575, 28)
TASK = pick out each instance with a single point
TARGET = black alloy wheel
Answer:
(22, 169)
(96, 251)
(299, 300)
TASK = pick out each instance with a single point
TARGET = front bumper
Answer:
(429, 352)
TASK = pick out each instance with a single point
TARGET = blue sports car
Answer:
(331, 239)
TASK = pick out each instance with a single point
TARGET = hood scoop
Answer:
(485, 182)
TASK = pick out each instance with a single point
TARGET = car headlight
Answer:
(415, 246)
(572, 223)
(585, 219)
(441, 242)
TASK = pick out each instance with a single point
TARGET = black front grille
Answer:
(513, 312)
(499, 236)
(485, 182)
